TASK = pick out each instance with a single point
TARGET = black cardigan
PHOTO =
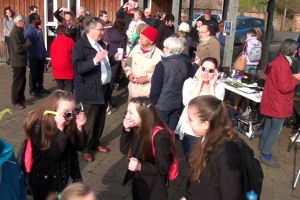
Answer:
(229, 165)
(150, 182)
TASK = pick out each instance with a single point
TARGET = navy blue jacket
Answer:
(37, 49)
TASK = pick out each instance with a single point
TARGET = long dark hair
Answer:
(213, 110)
(119, 24)
(12, 12)
(47, 122)
(149, 120)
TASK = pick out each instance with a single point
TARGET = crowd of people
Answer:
(173, 89)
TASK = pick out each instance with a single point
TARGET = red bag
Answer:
(28, 159)
(173, 171)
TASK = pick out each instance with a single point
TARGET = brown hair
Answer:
(258, 33)
(119, 24)
(138, 11)
(71, 192)
(141, 27)
(213, 110)
(149, 120)
(181, 34)
(47, 124)
(12, 12)
(62, 29)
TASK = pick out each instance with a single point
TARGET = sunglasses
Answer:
(207, 70)
(68, 114)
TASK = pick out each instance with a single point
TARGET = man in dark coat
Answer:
(210, 21)
(148, 18)
(165, 30)
(18, 54)
(92, 75)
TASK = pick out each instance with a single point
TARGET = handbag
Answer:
(241, 61)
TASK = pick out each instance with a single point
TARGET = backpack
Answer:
(252, 173)
(21, 161)
(255, 52)
(173, 171)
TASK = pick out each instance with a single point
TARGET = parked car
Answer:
(243, 24)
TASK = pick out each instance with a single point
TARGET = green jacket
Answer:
(18, 47)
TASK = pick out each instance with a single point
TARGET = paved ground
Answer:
(106, 173)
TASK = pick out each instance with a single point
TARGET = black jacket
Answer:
(53, 167)
(150, 21)
(229, 167)
(150, 182)
(122, 13)
(87, 76)
(18, 47)
(163, 33)
(74, 30)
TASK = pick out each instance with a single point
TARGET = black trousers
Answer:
(66, 85)
(18, 85)
(36, 77)
(6, 38)
(95, 115)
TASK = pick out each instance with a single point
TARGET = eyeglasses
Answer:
(99, 29)
(207, 70)
(201, 32)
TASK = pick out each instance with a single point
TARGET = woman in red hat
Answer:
(141, 62)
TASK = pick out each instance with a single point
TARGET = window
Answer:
(50, 17)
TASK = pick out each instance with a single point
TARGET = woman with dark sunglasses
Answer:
(204, 83)
(56, 133)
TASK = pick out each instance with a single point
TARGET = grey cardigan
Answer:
(7, 26)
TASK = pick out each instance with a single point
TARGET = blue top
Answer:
(12, 185)
(37, 49)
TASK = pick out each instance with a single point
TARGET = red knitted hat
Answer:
(151, 33)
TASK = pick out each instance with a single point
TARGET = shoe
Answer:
(19, 106)
(271, 163)
(44, 91)
(87, 157)
(27, 103)
(102, 149)
(108, 110)
(36, 94)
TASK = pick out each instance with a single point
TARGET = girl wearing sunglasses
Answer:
(55, 138)
(204, 83)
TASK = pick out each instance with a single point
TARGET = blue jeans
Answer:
(170, 117)
(251, 69)
(271, 131)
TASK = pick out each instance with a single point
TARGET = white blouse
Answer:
(183, 127)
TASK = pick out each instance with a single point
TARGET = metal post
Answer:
(225, 9)
(268, 33)
(231, 16)
(175, 12)
(191, 12)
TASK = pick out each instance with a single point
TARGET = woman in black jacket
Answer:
(55, 137)
(70, 21)
(115, 38)
(214, 162)
(149, 173)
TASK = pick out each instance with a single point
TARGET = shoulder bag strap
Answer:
(177, 65)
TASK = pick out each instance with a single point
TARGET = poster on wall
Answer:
(227, 28)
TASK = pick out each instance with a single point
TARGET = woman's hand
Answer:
(128, 123)
(134, 164)
(80, 120)
(60, 122)
(132, 78)
(213, 81)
